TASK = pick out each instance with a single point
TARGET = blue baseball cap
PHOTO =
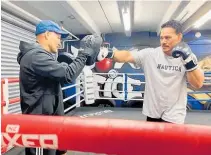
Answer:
(48, 25)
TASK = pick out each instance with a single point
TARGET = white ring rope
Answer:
(74, 105)
(136, 83)
(68, 98)
(120, 82)
(198, 92)
(139, 99)
(108, 98)
(135, 73)
(135, 91)
(67, 87)
(109, 91)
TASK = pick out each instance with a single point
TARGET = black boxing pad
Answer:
(65, 57)
(94, 42)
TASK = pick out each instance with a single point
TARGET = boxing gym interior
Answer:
(103, 106)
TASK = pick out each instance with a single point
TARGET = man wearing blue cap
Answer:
(41, 74)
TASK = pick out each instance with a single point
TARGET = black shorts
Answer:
(150, 119)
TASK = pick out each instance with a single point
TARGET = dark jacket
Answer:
(41, 77)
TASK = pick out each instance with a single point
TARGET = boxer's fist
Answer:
(189, 59)
(105, 53)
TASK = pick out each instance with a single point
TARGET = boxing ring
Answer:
(104, 130)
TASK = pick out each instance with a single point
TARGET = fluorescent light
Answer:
(203, 19)
(126, 18)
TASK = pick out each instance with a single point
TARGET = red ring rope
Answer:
(10, 80)
(110, 136)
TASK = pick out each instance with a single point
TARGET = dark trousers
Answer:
(32, 151)
(149, 119)
(48, 110)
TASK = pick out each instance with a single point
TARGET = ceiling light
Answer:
(126, 18)
(197, 34)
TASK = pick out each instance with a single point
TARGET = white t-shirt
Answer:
(166, 89)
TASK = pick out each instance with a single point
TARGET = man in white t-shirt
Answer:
(166, 70)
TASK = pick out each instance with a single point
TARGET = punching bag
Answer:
(104, 65)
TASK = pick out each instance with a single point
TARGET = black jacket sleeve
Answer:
(43, 64)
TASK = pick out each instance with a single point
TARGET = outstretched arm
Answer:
(123, 56)
(44, 65)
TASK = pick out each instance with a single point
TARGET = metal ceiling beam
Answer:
(189, 10)
(83, 17)
(19, 12)
(168, 15)
(188, 24)
(8, 6)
